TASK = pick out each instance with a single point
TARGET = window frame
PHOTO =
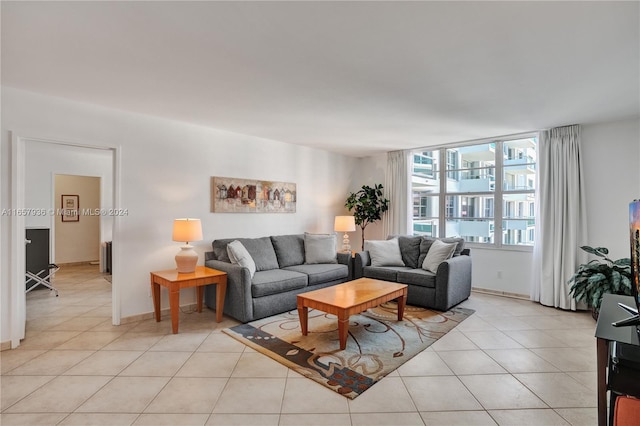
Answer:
(497, 195)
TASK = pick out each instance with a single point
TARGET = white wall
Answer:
(78, 241)
(372, 171)
(611, 165)
(505, 271)
(165, 173)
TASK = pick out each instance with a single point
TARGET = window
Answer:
(488, 209)
(452, 164)
(423, 164)
(483, 192)
(426, 189)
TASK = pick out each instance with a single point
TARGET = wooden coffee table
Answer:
(353, 297)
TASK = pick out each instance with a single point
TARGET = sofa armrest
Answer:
(361, 260)
(345, 259)
(238, 300)
(453, 282)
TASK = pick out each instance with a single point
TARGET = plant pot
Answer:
(594, 313)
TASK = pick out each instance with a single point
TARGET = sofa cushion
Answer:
(320, 248)
(426, 243)
(384, 253)
(260, 249)
(321, 273)
(459, 244)
(410, 250)
(418, 277)
(240, 256)
(438, 253)
(276, 281)
(220, 250)
(289, 249)
(385, 273)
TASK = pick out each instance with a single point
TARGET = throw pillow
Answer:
(459, 244)
(262, 252)
(320, 248)
(239, 255)
(425, 245)
(260, 249)
(438, 253)
(410, 250)
(289, 249)
(384, 253)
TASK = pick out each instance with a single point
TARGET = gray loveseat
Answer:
(450, 285)
(281, 274)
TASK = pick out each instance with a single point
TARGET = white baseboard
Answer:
(500, 293)
(151, 315)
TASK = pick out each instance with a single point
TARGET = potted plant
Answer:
(367, 204)
(599, 276)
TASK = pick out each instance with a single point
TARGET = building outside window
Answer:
(452, 164)
(488, 209)
(484, 193)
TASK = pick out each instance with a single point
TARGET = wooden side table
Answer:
(175, 281)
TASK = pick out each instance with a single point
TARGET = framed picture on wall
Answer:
(70, 207)
(234, 195)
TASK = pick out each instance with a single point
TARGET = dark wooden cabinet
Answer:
(606, 335)
(37, 252)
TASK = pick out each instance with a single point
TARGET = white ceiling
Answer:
(352, 77)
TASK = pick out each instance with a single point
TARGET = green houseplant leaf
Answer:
(598, 251)
(600, 276)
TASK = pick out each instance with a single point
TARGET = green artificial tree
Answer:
(368, 205)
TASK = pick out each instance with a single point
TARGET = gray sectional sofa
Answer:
(450, 285)
(282, 271)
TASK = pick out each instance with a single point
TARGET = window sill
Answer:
(477, 246)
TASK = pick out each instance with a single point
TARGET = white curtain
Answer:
(396, 189)
(561, 224)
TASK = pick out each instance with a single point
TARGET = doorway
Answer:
(35, 162)
(77, 227)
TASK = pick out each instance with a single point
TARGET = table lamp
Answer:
(186, 230)
(345, 224)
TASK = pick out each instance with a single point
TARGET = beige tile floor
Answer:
(513, 362)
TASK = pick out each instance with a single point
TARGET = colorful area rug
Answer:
(377, 343)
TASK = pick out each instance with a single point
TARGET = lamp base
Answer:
(186, 259)
(346, 247)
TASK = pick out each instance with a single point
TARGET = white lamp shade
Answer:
(185, 230)
(344, 224)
